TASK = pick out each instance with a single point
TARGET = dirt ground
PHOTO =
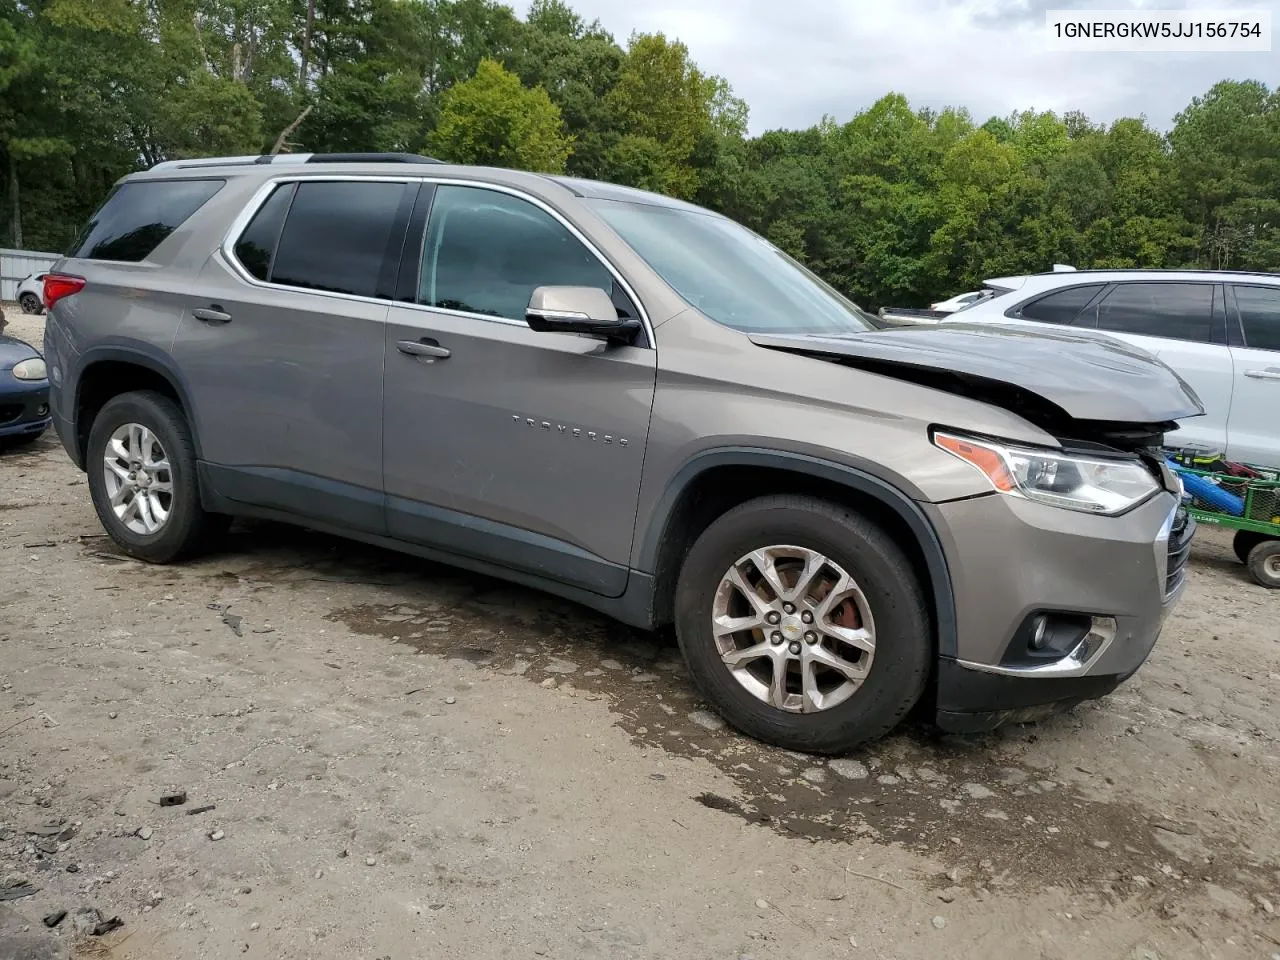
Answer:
(405, 761)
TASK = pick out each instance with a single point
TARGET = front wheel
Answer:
(804, 624)
(30, 303)
(141, 467)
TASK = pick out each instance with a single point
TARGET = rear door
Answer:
(282, 347)
(1183, 323)
(1253, 432)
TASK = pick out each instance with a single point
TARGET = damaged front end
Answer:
(1090, 392)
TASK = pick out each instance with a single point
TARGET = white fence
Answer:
(17, 265)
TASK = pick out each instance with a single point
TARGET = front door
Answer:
(282, 349)
(504, 444)
(1253, 434)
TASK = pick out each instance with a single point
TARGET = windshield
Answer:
(734, 276)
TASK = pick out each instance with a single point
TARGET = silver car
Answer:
(634, 403)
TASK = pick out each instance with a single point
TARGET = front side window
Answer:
(1260, 316)
(485, 252)
(1062, 307)
(335, 236)
(731, 274)
(1175, 311)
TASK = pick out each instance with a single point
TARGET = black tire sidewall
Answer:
(1258, 558)
(163, 418)
(903, 636)
(26, 300)
(1245, 541)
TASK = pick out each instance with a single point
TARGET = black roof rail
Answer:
(369, 158)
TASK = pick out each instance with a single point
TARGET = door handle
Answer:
(1271, 373)
(426, 347)
(214, 314)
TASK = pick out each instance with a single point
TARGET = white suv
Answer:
(1219, 330)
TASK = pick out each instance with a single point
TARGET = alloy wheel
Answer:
(793, 628)
(139, 479)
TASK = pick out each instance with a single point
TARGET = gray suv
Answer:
(634, 403)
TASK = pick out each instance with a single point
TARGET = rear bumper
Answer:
(24, 410)
(66, 431)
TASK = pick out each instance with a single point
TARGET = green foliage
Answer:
(492, 120)
(891, 205)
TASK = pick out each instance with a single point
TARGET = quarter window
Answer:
(1175, 311)
(1260, 316)
(486, 251)
(140, 215)
(1062, 307)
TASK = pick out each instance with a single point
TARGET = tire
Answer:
(903, 644)
(1264, 564)
(30, 303)
(1245, 541)
(187, 528)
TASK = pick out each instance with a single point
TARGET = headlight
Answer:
(1087, 484)
(31, 369)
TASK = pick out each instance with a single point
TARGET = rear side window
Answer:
(335, 237)
(1260, 316)
(138, 216)
(257, 245)
(1175, 311)
(1061, 307)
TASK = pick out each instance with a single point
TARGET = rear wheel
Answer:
(803, 624)
(1245, 541)
(30, 303)
(141, 467)
(1264, 564)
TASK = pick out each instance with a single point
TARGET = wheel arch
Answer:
(108, 371)
(715, 480)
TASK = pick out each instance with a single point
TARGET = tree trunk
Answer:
(306, 44)
(283, 140)
(17, 201)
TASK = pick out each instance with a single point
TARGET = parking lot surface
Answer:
(401, 760)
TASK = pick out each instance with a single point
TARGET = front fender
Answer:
(654, 527)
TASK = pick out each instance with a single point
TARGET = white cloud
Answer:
(796, 60)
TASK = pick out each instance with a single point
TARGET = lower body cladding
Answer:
(24, 410)
(1053, 607)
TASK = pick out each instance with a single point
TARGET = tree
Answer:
(665, 108)
(491, 119)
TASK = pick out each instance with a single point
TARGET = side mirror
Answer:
(578, 310)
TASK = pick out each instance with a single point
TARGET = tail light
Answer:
(58, 285)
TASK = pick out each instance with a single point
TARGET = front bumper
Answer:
(24, 407)
(1012, 560)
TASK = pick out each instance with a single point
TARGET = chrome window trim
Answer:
(259, 197)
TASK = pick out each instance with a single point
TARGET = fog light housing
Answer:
(1049, 636)
(42, 410)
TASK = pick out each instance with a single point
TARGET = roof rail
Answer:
(292, 158)
(369, 158)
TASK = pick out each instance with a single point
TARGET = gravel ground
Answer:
(404, 760)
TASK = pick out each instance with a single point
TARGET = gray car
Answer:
(634, 403)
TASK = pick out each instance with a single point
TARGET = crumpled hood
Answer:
(1088, 376)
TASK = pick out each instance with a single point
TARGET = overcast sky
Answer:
(794, 60)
